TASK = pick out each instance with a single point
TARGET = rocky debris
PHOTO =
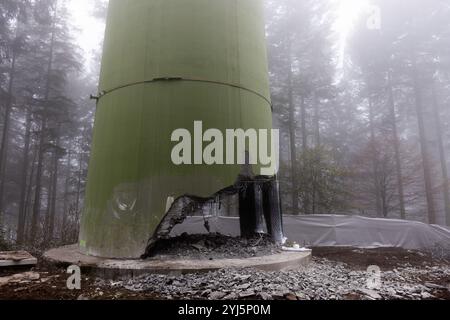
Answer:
(247, 294)
(434, 286)
(385, 258)
(215, 246)
(265, 296)
(440, 252)
(334, 274)
(82, 297)
(20, 278)
(217, 295)
(321, 280)
(370, 294)
(291, 297)
(16, 258)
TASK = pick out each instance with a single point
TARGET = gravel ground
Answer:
(323, 279)
(336, 273)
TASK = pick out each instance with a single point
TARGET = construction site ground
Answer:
(335, 273)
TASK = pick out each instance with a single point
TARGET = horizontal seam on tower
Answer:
(161, 79)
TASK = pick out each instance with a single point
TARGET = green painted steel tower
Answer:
(167, 64)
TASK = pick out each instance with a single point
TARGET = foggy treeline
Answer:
(46, 122)
(368, 132)
(364, 131)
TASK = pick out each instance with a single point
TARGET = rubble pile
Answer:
(216, 246)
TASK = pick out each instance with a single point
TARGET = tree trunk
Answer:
(5, 140)
(317, 119)
(47, 209)
(303, 127)
(442, 158)
(66, 195)
(384, 189)
(306, 194)
(375, 163)
(314, 204)
(38, 191)
(54, 193)
(80, 175)
(23, 188)
(28, 202)
(423, 146)
(318, 142)
(38, 186)
(396, 143)
(293, 142)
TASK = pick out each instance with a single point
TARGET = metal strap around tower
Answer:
(103, 93)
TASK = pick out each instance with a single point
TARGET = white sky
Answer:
(92, 30)
(349, 11)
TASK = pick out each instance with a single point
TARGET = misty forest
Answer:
(364, 116)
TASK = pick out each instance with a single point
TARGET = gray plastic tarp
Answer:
(332, 230)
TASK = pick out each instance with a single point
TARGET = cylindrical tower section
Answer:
(167, 64)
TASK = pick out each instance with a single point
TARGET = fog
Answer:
(360, 92)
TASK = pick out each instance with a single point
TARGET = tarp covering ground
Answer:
(333, 230)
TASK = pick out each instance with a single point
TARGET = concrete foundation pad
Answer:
(111, 268)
